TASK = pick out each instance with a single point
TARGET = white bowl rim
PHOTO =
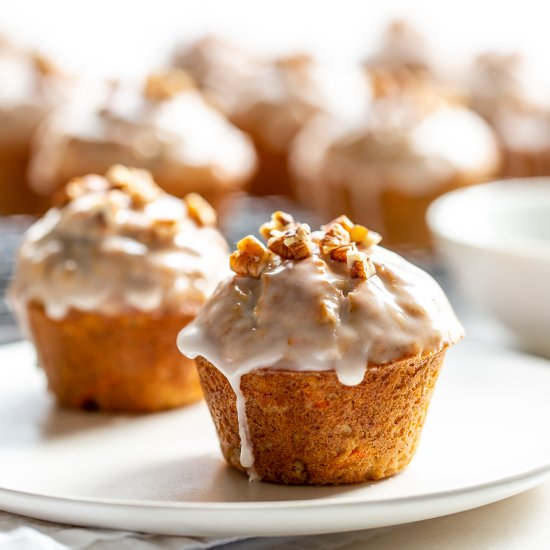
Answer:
(513, 245)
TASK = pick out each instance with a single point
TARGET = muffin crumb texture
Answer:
(308, 429)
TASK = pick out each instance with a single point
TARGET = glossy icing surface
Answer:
(119, 243)
(166, 134)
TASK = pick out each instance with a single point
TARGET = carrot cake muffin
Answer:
(165, 127)
(513, 97)
(28, 92)
(319, 356)
(219, 67)
(281, 96)
(105, 280)
(387, 167)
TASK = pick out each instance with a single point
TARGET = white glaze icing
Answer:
(122, 124)
(310, 315)
(278, 98)
(398, 146)
(102, 252)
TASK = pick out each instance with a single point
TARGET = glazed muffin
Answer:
(319, 356)
(103, 283)
(386, 168)
(515, 102)
(402, 56)
(219, 67)
(165, 127)
(30, 87)
(281, 96)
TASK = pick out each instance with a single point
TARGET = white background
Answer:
(123, 37)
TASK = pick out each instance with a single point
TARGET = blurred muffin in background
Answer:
(272, 98)
(219, 67)
(386, 168)
(104, 282)
(30, 87)
(517, 105)
(165, 126)
(494, 83)
(403, 56)
(402, 46)
(281, 98)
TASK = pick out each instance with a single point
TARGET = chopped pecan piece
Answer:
(78, 187)
(165, 85)
(359, 264)
(280, 222)
(335, 236)
(293, 244)
(344, 221)
(298, 61)
(44, 65)
(199, 209)
(250, 258)
(340, 254)
(138, 184)
(165, 229)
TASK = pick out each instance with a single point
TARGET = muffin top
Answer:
(495, 83)
(165, 126)
(514, 96)
(282, 95)
(29, 89)
(119, 243)
(402, 47)
(414, 144)
(328, 300)
(219, 67)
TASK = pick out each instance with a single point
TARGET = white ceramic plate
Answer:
(485, 439)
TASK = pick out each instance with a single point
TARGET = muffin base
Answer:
(128, 362)
(15, 195)
(273, 176)
(525, 163)
(306, 428)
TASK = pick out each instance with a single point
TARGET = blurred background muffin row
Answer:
(378, 137)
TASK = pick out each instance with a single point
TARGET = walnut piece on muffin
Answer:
(104, 282)
(319, 356)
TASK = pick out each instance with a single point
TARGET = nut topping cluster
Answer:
(200, 210)
(136, 183)
(289, 240)
(121, 183)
